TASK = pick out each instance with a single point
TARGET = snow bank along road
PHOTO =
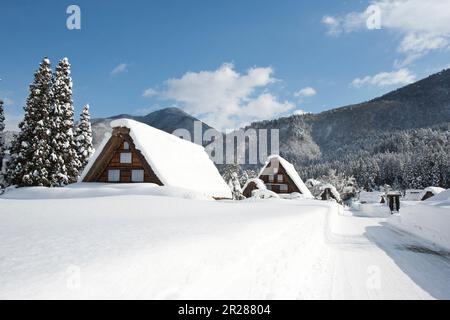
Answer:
(155, 247)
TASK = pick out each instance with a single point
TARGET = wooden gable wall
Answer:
(275, 185)
(109, 159)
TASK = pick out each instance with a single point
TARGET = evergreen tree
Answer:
(65, 160)
(235, 186)
(83, 138)
(30, 150)
(2, 127)
(229, 171)
(231, 176)
(2, 142)
(247, 175)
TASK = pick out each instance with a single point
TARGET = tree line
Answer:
(49, 150)
(408, 159)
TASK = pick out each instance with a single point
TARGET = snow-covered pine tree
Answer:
(30, 150)
(83, 137)
(65, 160)
(231, 176)
(247, 175)
(235, 186)
(2, 142)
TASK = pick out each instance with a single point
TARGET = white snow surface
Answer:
(264, 194)
(429, 219)
(177, 162)
(370, 197)
(413, 195)
(292, 173)
(95, 190)
(97, 242)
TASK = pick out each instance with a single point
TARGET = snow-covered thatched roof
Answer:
(334, 192)
(258, 182)
(176, 162)
(290, 170)
(433, 190)
(441, 199)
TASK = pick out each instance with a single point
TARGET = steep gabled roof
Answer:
(176, 162)
(258, 182)
(292, 173)
(433, 190)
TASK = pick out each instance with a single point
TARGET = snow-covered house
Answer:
(251, 185)
(137, 153)
(328, 192)
(430, 192)
(281, 177)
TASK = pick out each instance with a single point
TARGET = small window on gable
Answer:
(113, 175)
(126, 145)
(137, 175)
(271, 177)
(280, 178)
(125, 157)
(283, 188)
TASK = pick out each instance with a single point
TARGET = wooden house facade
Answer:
(279, 176)
(121, 162)
(277, 180)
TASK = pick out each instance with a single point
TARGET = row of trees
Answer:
(413, 159)
(406, 159)
(50, 150)
(2, 147)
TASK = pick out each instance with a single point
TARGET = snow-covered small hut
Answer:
(281, 177)
(430, 192)
(328, 192)
(137, 153)
(251, 185)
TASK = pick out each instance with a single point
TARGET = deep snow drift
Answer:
(88, 241)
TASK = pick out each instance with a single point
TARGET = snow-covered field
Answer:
(147, 242)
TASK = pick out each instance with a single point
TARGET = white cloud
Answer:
(150, 92)
(225, 98)
(334, 26)
(386, 79)
(424, 26)
(121, 68)
(305, 93)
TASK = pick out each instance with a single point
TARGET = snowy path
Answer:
(375, 261)
(158, 247)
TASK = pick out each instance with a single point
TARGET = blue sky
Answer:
(230, 62)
